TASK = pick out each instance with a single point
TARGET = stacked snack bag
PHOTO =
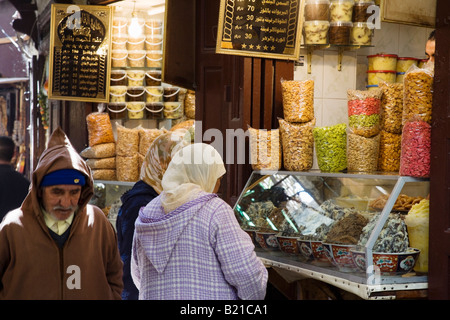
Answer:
(364, 130)
(296, 128)
(100, 154)
(391, 126)
(416, 119)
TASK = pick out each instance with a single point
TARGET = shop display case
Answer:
(344, 229)
(107, 197)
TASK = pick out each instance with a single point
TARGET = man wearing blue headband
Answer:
(57, 245)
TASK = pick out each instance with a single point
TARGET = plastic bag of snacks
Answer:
(418, 94)
(364, 111)
(331, 147)
(390, 149)
(391, 107)
(127, 141)
(265, 149)
(103, 163)
(298, 100)
(362, 153)
(415, 156)
(298, 144)
(99, 128)
(146, 138)
(103, 150)
(127, 168)
(104, 174)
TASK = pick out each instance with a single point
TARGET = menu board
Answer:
(260, 28)
(80, 54)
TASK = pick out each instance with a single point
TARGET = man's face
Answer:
(61, 201)
(429, 50)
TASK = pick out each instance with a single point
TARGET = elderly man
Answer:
(57, 246)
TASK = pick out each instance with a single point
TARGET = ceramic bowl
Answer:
(341, 256)
(314, 252)
(288, 245)
(267, 240)
(388, 263)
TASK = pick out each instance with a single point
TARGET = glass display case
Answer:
(349, 230)
(107, 197)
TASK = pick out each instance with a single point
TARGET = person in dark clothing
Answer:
(13, 185)
(146, 189)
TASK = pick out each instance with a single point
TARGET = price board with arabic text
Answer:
(80, 53)
(260, 28)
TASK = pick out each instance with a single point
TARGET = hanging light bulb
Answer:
(134, 29)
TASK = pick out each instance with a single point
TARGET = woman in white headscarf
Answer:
(188, 243)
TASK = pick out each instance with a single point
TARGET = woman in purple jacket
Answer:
(188, 243)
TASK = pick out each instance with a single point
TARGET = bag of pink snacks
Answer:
(415, 155)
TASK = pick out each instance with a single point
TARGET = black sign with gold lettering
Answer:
(260, 28)
(80, 53)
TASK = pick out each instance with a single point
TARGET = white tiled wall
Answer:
(330, 85)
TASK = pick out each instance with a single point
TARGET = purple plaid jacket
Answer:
(196, 252)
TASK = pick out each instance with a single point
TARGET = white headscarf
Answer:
(193, 169)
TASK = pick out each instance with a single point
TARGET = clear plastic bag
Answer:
(364, 108)
(415, 156)
(127, 141)
(418, 94)
(362, 153)
(146, 138)
(331, 147)
(297, 144)
(103, 150)
(127, 168)
(298, 100)
(391, 107)
(390, 150)
(265, 149)
(99, 128)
